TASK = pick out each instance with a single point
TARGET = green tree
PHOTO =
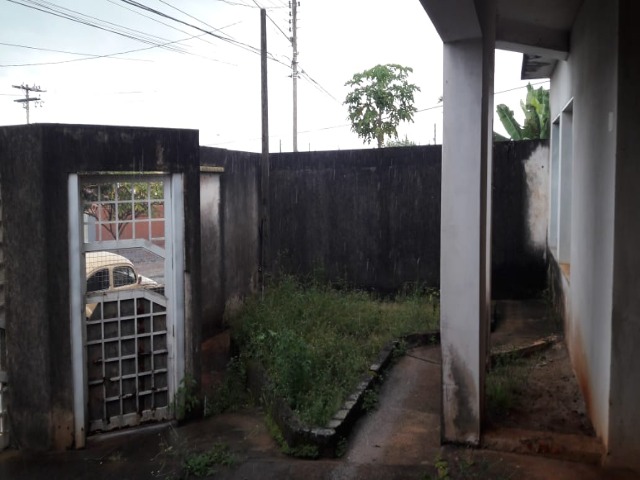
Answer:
(380, 99)
(536, 117)
(116, 204)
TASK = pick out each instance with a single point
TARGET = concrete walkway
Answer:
(399, 440)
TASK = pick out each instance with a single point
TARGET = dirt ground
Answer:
(549, 398)
(546, 396)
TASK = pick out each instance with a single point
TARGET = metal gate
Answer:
(4, 406)
(128, 335)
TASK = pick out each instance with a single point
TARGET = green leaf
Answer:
(510, 124)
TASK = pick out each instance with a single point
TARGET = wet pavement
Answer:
(400, 439)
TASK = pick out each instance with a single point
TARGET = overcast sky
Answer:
(213, 85)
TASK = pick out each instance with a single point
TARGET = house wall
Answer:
(589, 76)
(624, 418)
(35, 162)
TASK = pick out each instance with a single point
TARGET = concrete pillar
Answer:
(465, 234)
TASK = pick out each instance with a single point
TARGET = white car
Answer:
(108, 272)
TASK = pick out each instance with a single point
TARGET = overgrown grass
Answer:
(205, 464)
(316, 342)
(504, 385)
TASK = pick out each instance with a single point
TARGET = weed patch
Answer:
(316, 342)
(300, 451)
(186, 401)
(467, 466)
(232, 393)
(504, 384)
(205, 463)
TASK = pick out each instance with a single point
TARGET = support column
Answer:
(465, 234)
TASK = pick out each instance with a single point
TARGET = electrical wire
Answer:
(229, 40)
(66, 52)
(279, 29)
(238, 4)
(155, 20)
(194, 18)
(344, 125)
(57, 11)
(108, 55)
(72, 15)
(440, 105)
(317, 84)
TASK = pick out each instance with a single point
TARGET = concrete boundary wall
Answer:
(35, 163)
(371, 218)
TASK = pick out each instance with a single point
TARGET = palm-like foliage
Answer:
(536, 116)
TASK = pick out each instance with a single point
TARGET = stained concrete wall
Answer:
(590, 78)
(519, 219)
(211, 235)
(35, 162)
(239, 220)
(367, 217)
(27, 290)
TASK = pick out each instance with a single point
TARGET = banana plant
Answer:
(536, 117)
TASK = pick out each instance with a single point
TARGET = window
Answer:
(554, 211)
(566, 169)
(123, 276)
(98, 281)
(561, 175)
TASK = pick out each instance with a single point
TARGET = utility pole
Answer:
(264, 160)
(294, 4)
(26, 101)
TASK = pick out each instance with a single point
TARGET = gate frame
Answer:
(174, 287)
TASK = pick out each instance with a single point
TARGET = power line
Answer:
(57, 11)
(109, 55)
(227, 39)
(78, 17)
(66, 52)
(309, 78)
(279, 29)
(153, 19)
(190, 16)
(344, 125)
(440, 105)
(238, 4)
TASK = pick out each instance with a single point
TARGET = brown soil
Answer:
(549, 399)
(545, 393)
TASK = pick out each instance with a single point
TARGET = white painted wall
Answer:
(589, 76)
